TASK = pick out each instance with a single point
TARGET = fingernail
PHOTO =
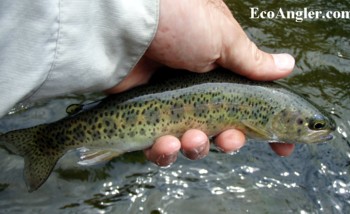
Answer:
(197, 153)
(166, 160)
(231, 152)
(283, 61)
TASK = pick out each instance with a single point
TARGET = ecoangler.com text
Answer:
(298, 15)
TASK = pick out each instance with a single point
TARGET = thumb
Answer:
(241, 55)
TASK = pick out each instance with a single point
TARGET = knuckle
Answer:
(256, 53)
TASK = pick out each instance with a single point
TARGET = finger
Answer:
(230, 140)
(164, 151)
(241, 55)
(284, 149)
(195, 144)
(139, 75)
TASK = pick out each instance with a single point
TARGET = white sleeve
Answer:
(55, 47)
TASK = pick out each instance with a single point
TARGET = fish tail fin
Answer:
(39, 156)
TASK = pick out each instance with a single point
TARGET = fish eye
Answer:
(317, 123)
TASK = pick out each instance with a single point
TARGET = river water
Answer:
(314, 179)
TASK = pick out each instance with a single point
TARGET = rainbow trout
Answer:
(129, 121)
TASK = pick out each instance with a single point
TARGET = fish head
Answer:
(301, 125)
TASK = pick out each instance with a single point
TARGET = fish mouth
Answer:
(327, 137)
(319, 137)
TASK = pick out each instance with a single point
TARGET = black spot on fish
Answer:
(300, 121)
(121, 135)
(299, 132)
(131, 134)
(142, 131)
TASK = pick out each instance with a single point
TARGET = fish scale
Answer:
(132, 120)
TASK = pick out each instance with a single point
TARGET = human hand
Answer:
(199, 36)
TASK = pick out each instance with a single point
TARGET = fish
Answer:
(132, 120)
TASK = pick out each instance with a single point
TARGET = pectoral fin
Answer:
(256, 131)
(94, 156)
